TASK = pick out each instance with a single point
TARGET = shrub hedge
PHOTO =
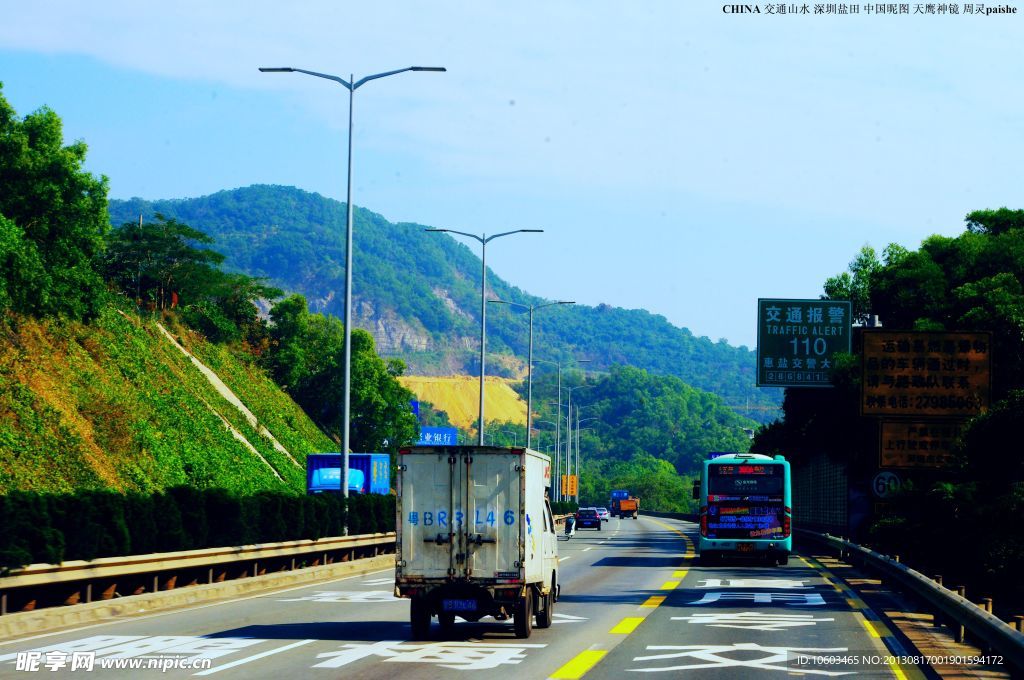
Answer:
(52, 528)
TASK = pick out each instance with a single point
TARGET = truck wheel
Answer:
(545, 617)
(523, 617)
(447, 621)
(419, 618)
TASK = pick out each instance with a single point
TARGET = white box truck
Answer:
(475, 536)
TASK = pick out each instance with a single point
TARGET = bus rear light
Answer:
(704, 525)
(786, 526)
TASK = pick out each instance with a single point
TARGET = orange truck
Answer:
(626, 507)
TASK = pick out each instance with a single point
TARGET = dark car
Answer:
(588, 517)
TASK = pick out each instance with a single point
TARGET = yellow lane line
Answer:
(871, 629)
(627, 625)
(895, 668)
(875, 628)
(653, 601)
(669, 585)
(679, 574)
(579, 665)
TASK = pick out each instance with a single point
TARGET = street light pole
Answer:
(568, 447)
(558, 420)
(484, 239)
(578, 421)
(529, 365)
(351, 85)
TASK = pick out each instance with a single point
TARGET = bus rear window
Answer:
(745, 479)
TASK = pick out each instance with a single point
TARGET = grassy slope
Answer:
(113, 404)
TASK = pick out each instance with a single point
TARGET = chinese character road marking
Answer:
(462, 656)
(348, 596)
(752, 620)
(567, 618)
(807, 599)
(752, 583)
(715, 655)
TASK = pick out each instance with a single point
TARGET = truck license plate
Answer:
(458, 605)
(745, 547)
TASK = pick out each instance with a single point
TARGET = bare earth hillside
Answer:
(459, 396)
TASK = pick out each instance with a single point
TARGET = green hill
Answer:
(419, 293)
(115, 404)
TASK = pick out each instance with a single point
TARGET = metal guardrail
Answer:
(992, 631)
(40, 585)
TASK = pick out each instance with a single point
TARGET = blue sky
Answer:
(681, 159)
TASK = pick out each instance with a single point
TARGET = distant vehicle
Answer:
(588, 517)
(367, 473)
(603, 514)
(745, 507)
(476, 536)
(626, 507)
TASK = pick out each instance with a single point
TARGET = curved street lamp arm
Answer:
(367, 79)
(289, 69)
(460, 233)
(506, 233)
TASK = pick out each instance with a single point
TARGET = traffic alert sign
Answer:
(797, 341)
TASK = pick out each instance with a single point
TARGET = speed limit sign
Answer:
(886, 484)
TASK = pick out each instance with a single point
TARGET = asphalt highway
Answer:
(633, 600)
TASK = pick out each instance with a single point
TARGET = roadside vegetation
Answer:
(962, 521)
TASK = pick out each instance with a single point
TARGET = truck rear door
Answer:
(491, 530)
(430, 483)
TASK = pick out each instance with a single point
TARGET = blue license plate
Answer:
(458, 605)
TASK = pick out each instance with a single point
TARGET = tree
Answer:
(53, 217)
(150, 261)
(308, 361)
(855, 285)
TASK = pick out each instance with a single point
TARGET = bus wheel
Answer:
(783, 560)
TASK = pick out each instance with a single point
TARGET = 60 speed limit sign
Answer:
(886, 484)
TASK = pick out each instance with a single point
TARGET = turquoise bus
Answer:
(745, 507)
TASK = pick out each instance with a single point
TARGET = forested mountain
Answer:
(419, 293)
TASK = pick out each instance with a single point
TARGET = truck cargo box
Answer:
(475, 534)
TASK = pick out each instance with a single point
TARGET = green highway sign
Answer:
(797, 341)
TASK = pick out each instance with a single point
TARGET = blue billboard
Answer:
(438, 436)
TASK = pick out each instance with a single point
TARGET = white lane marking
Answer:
(751, 620)
(753, 583)
(602, 542)
(796, 599)
(463, 656)
(563, 559)
(347, 596)
(378, 582)
(254, 657)
(590, 548)
(122, 619)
